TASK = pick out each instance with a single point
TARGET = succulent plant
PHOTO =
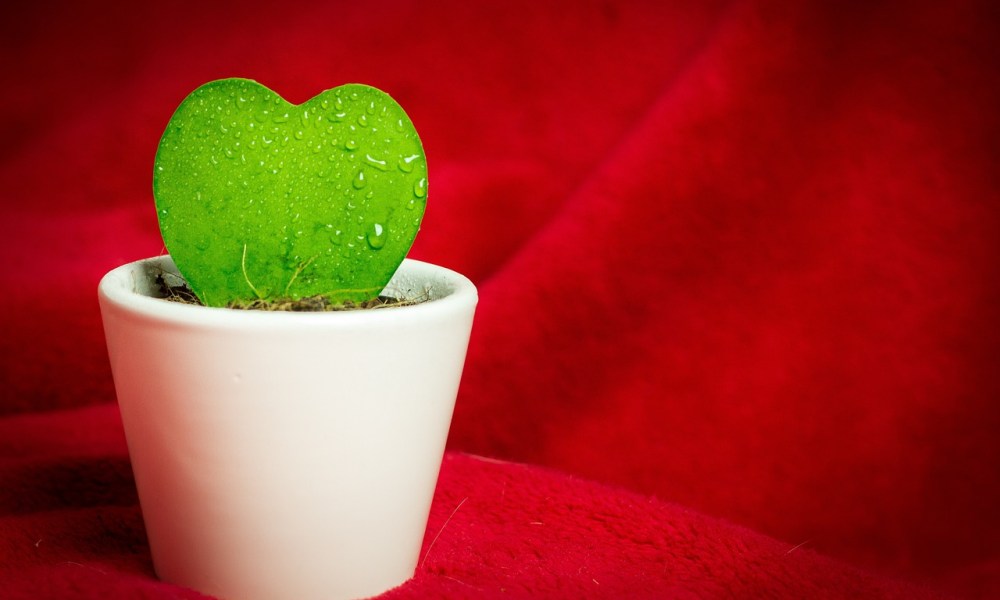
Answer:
(258, 198)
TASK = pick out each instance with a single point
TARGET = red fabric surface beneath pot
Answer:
(72, 528)
(740, 257)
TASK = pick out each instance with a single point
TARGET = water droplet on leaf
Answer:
(359, 180)
(378, 164)
(376, 236)
(406, 163)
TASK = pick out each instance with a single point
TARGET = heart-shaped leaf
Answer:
(260, 198)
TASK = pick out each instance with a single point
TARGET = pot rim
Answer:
(118, 289)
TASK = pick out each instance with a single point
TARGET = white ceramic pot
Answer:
(286, 455)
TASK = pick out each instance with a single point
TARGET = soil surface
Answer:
(181, 293)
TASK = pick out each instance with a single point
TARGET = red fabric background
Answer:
(736, 257)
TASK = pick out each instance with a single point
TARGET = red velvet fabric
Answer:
(738, 328)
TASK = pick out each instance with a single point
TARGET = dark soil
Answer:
(182, 294)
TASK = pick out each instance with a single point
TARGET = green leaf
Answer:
(260, 198)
